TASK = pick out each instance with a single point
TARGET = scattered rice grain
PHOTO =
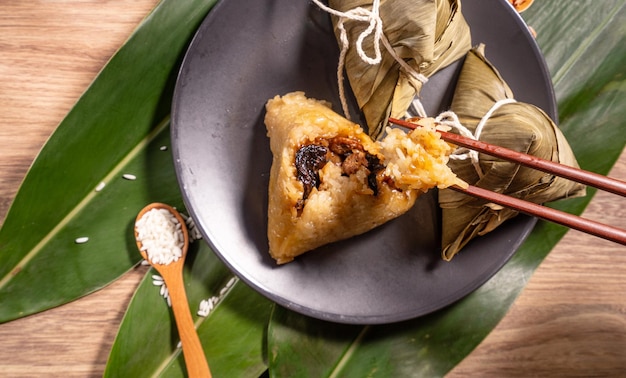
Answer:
(81, 240)
(231, 282)
(207, 305)
(163, 148)
(100, 186)
(194, 233)
(163, 291)
(128, 176)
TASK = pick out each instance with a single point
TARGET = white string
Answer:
(450, 119)
(404, 66)
(372, 17)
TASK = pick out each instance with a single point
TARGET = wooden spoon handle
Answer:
(197, 365)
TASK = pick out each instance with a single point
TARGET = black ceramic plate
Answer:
(246, 52)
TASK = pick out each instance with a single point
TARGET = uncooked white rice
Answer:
(194, 233)
(158, 281)
(81, 240)
(160, 235)
(100, 186)
(128, 176)
(224, 291)
(207, 305)
(163, 148)
(231, 282)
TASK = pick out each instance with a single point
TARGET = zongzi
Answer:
(522, 127)
(423, 36)
(329, 180)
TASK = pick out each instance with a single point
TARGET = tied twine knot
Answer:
(375, 26)
(451, 120)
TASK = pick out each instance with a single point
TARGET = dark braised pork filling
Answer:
(343, 151)
(309, 160)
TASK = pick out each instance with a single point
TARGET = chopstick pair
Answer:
(560, 217)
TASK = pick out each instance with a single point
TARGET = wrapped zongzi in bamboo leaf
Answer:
(482, 100)
(425, 35)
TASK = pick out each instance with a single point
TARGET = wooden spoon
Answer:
(197, 365)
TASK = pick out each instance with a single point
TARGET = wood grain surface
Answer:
(569, 321)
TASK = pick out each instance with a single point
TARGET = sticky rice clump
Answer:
(342, 205)
(418, 159)
(330, 181)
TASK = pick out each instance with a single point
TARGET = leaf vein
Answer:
(349, 352)
(84, 202)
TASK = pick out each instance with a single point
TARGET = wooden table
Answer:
(569, 321)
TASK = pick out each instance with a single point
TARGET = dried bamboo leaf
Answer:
(427, 35)
(515, 125)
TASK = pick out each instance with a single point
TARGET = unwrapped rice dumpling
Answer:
(426, 34)
(518, 126)
(329, 180)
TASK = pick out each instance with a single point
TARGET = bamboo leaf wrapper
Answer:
(427, 35)
(515, 125)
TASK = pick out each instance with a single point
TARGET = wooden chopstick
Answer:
(587, 226)
(560, 217)
(575, 174)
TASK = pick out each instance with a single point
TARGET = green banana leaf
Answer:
(232, 334)
(116, 128)
(584, 46)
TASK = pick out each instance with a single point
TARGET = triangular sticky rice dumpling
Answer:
(426, 34)
(329, 180)
(518, 126)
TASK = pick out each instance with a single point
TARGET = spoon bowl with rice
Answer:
(163, 240)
